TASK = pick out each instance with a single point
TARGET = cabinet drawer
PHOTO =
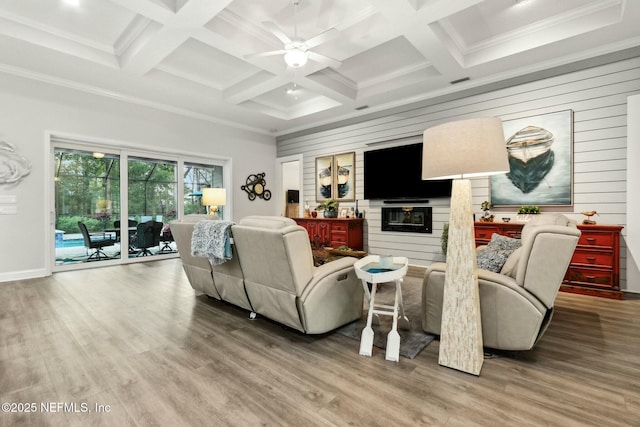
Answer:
(598, 278)
(581, 256)
(341, 239)
(338, 227)
(596, 238)
(484, 234)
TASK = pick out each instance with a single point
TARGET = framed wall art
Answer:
(540, 152)
(324, 178)
(344, 177)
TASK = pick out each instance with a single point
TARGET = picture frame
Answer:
(540, 161)
(324, 178)
(343, 213)
(344, 167)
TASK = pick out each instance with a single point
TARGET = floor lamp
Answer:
(460, 150)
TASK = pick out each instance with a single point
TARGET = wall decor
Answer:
(336, 178)
(255, 187)
(324, 178)
(540, 160)
(13, 166)
(345, 177)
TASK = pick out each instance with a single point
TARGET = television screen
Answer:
(396, 173)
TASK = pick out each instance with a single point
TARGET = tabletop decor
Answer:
(329, 208)
(524, 212)
(487, 216)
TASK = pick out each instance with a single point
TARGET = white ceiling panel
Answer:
(223, 60)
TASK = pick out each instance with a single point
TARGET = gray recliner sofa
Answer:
(516, 304)
(271, 273)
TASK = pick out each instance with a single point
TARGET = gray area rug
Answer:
(413, 340)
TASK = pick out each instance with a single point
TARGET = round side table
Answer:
(376, 269)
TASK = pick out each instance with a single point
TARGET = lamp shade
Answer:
(214, 196)
(465, 148)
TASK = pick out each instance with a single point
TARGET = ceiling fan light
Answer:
(295, 58)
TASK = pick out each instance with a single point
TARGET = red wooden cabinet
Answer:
(595, 265)
(334, 232)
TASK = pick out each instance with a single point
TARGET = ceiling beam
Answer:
(152, 9)
(175, 31)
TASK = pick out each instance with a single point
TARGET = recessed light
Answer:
(75, 3)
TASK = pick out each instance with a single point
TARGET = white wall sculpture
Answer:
(13, 167)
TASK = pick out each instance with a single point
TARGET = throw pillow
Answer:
(500, 242)
(495, 255)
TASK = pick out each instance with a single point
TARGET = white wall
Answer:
(598, 97)
(29, 109)
(290, 174)
(633, 194)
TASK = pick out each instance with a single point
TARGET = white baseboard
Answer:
(22, 275)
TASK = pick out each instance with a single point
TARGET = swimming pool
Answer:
(69, 243)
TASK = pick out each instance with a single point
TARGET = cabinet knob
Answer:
(591, 240)
(591, 259)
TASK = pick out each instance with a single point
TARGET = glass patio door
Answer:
(152, 194)
(87, 199)
(114, 205)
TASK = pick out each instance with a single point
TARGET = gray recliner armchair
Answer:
(283, 284)
(516, 304)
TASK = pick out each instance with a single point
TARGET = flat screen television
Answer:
(396, 174)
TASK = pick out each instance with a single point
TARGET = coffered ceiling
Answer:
(201, 58)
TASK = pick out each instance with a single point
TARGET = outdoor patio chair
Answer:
(147, 236)
(95, 243)
(166, 238)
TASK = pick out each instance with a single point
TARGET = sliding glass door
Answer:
(115, 205)
(87, 198)
(152, 194)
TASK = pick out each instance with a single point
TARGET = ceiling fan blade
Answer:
(322, 37)
(324, 60)
(277, 32)
(262, 54)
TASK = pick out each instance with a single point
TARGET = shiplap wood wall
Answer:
(598, 98)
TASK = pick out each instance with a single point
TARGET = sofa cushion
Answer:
(496, 253)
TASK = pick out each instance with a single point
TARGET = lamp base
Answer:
(213, 212)
(461, 328)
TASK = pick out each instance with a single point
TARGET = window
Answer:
(197, 177)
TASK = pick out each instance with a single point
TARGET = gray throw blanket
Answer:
(212, 239)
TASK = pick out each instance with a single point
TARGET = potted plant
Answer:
(444, 239)
(525, 212)
(487, 216)
(329, 208)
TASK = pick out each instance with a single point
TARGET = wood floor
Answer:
(132, 345)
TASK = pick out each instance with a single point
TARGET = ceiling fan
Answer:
(296, 50)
